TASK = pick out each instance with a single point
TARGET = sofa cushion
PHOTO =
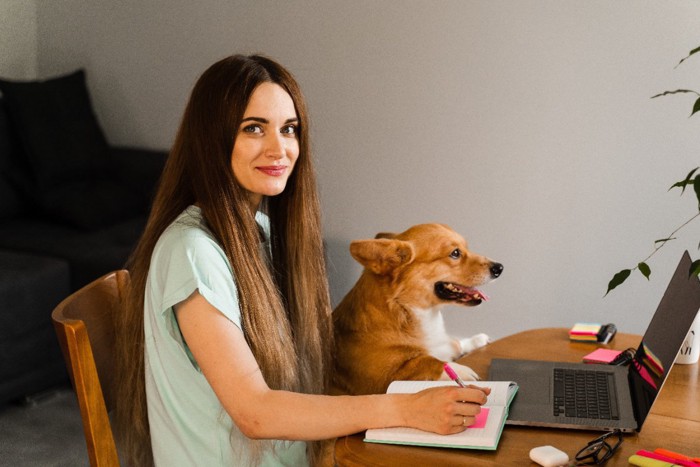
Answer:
(32, 363)
(30, 358)
(91, 205)
(58, 128)
(89, 254)
(72, 179)
(139, 169)
(31, 286)
(11, 203)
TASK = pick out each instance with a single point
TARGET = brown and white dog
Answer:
(390, 325)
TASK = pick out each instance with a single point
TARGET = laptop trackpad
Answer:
(534, 392)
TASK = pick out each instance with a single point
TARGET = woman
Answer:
(225, 340)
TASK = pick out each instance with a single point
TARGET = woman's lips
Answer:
(273, 170)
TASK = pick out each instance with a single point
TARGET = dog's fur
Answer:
(390, 326)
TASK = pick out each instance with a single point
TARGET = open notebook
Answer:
(484, 434)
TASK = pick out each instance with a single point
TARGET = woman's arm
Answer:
(229, 366)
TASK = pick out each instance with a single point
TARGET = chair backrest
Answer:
(85, 325)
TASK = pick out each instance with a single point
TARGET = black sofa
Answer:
(71, 209)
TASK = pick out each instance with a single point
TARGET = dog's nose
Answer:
(496, 269)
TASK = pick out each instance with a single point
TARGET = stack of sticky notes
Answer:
(592, 332)
(585, 332)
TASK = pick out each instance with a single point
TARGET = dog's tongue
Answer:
(473, 294)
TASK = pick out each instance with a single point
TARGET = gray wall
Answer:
(527, 126)
(18, 39)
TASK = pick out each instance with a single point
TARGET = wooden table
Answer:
(673, 423)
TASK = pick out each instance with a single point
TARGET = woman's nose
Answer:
(275, 146)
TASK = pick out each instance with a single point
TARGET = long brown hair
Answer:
(286, 311)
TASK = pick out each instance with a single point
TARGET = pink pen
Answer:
(455, 377)
(660, 457)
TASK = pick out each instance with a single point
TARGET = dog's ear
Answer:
(381, 256)
(385, 235)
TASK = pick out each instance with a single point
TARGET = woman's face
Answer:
(267, 144)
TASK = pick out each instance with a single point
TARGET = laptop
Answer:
(605, 397)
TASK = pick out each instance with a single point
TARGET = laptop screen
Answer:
(663, 339)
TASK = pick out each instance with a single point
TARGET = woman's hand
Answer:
(445, 410)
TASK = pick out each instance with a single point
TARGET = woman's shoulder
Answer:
(187, 257)
(187, 231)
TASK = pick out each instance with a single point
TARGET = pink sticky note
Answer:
(601, 356)
(480, 421)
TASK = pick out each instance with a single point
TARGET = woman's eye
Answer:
(456, 254)
(252, 129)
(289, 130)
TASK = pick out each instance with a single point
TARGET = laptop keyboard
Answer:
(584, 394)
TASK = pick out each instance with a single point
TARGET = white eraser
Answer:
(549, 456)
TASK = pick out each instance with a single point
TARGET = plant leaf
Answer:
(696, 107)
(694, 268)
(696, 187)
(683, 183)
(644, 269)
(677, 91)
(689, 55)
(618, 279)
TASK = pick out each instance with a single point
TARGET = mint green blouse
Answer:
(188, 424)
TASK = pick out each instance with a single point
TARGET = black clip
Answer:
(606, 333)
(624, 358)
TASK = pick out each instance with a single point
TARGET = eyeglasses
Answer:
(598, 451)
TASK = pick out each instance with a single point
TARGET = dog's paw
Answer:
(464, 372)
(472, 343)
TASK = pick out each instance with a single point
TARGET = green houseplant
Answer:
(691, 180)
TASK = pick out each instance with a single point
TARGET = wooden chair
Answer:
(85, 327)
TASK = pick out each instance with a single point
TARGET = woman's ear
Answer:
(382, 256)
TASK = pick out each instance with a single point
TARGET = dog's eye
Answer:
(456, 254)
